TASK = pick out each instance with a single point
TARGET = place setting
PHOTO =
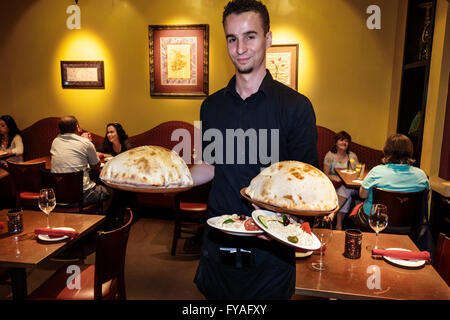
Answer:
(47, 202)
(378, 221)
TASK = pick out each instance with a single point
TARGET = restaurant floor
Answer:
(151, 273)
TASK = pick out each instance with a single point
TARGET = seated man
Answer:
(71, 152)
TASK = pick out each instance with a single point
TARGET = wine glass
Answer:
(47, 202)
(323, 229)
(378, 221)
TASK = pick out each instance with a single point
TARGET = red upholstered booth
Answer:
(370, 157)
(38, 138)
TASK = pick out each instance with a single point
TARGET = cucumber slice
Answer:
(263, 220)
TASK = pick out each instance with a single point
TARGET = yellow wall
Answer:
(344, 68)
(437, 91)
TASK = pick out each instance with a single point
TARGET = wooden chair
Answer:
(404, 209)
(68, 189)
(105, 280)
(442, 257)
(190, 214)
(27, 182)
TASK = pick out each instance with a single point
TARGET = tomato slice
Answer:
(250, 225)
(305, 227)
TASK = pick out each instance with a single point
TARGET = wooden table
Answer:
(348, 178)
(4, 155)
(47, 159)
(348, 278)
(25, 250)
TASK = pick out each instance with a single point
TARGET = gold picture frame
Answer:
(179, 60)
(82, 75)
(282, 62)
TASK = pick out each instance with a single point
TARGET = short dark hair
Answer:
(240, 6)
(67, 124)
(398, 149)
(12, 128)
(342, 135)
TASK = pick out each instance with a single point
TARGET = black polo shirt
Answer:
(273, 106)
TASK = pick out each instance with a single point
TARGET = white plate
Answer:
(404, 263)
(256, 213)
(45, 237)
(303, 254)
(211, 222)
(107, 159)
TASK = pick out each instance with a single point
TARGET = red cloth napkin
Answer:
(2, 225)
(356, 209)
(404, 255)
(54, 233)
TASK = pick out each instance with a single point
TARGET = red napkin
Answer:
(404, 255)
(54, 233)
(2, 225)
(356, 209)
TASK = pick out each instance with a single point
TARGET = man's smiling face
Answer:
(246, 41)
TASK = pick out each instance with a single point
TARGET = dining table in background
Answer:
(348, 179)
(25, 250)
(366, 277)
(4, 155)
(46, 159)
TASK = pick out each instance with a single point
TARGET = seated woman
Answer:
(11, 140)
(395, 174)
(338, 157)
(115, 142)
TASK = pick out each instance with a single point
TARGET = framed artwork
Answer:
(282, 62)
(179, 60)
(82, 75)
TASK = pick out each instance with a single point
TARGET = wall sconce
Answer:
(74, 20)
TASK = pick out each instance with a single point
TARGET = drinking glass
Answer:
(351, 165)
(360, 167)
(323, 229)
(378, 221)
(47, 202)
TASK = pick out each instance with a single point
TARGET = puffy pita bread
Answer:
(147, 166)
(294, 185)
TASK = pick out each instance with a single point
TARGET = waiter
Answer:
(283, 121)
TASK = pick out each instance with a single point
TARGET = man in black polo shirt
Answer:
(283, 122)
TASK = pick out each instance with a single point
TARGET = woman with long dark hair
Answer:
(11, 140)
(338, 158)
(116, 140)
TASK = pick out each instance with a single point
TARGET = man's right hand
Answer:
(87, 135)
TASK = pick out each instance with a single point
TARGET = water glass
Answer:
(360, 167)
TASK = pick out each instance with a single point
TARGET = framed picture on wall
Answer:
(82, 75)
(282, 62)
(179, 60)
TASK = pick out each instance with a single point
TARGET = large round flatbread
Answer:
(294, 185)
(147, 166)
